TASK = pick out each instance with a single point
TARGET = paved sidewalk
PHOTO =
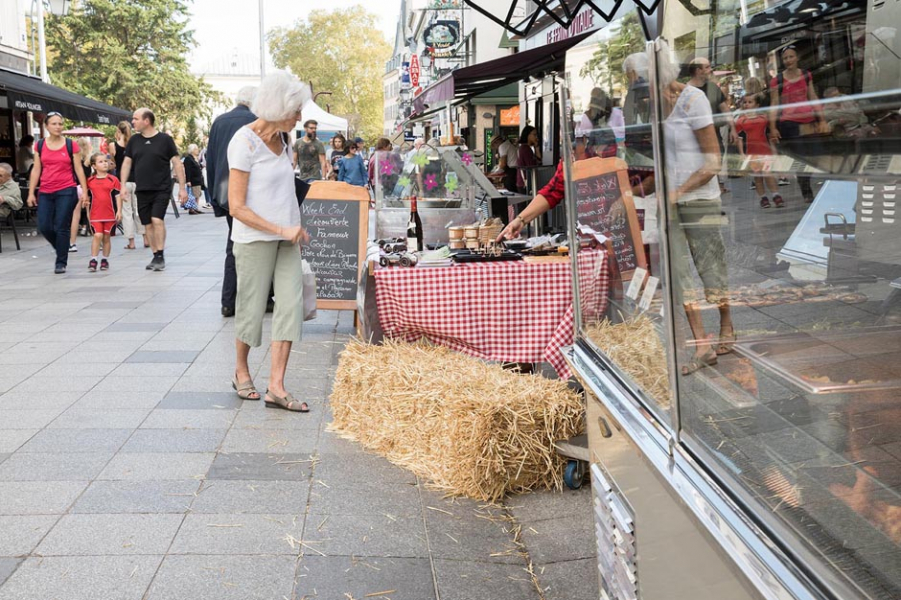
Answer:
(129, 469)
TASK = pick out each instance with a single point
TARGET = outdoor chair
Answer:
(11, 224)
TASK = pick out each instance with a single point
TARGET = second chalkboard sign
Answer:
(604, 203)
(336, 217)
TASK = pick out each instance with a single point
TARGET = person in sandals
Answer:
(104, 209)
(266, 235)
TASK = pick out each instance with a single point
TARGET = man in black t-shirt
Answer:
(150, 155)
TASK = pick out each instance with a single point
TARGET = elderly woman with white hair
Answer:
(693, 158)
(193, 179)
(267, 235)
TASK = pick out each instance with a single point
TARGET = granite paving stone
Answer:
(119, 400)
(142, 369)
(367, 535)
(53, 466)
(143, 466)
(169, 418)
(201, 577)
(97, 418)
(336, 468)
(147, 383)
(8, 567)
(273, 418)
(253, 534)
(342, 577)
(203, 383)
(466, 580)
(201, 400)
(22, 533)
(251, 496)
(77, 440)
(269, 441)
(261, 467)
(465, 533)
(12, 439)
(28, 419)
(81, 578)
(556, 580)
(49, 384)
(174, 440)
(144, 356)
(38, 497)
(110, 534)
(148, 497)
(367, 498)
(546, 545)
(543, 505)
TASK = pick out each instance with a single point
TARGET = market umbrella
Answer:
(83, 132)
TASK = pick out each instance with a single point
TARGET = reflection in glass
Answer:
(801, 415)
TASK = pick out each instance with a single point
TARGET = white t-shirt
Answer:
(683, 152)
(270, 188)
(511, 151)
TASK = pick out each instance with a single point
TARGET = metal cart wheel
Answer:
(575, 472)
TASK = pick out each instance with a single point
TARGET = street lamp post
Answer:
(262, 43)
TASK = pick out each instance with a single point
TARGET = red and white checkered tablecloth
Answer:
(502, 311)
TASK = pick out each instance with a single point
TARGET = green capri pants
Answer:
(258, 265)
(694, 240)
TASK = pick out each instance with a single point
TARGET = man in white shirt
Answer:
(509, 161)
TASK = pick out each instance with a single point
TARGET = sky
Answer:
(226, 26)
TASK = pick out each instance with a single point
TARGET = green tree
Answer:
(318, 51)
(130, 53)
(605, 66)
(193, 135)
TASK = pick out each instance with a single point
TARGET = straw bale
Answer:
(636, 348)
(468, 427)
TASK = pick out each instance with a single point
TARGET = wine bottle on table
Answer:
(414, 229)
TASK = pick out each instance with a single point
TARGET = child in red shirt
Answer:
(752, 142)
(103, 210)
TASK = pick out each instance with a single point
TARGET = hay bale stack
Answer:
(468, 427)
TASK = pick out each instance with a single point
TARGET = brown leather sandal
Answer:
(245, 389)
(288, 402)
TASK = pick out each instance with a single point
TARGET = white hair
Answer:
(6, 167)
(637, 62)
(246, 95)
(667, 68)
(280, 96)
(192, 148)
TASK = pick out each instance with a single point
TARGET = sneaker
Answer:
(765, 202)
(777, 200)
(59, 270)
(158, 264)
(784, 181)
(73, 248)
(228, 311)
(149, 266)
(92, 266)
(104, 264)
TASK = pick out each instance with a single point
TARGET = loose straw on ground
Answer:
(468, 427)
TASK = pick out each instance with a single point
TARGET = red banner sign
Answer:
(414, 70)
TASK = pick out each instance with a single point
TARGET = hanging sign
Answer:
(405, 73)
(510, 116)
(442, 35)
(414, 70)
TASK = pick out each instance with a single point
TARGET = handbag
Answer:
(309, 291)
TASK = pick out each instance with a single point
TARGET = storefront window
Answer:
(781, 147)
(612, 193)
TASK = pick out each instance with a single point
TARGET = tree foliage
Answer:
(605, 66)
(319, 51)
(130, 54)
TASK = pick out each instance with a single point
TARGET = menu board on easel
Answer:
(604, 203)
(336, 217)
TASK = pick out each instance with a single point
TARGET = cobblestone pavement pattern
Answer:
(129, 469)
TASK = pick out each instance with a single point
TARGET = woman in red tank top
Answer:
(795, 112)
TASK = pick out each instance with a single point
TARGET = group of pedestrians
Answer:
(58, 186)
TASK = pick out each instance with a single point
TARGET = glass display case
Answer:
(449, 186)
(743, 171)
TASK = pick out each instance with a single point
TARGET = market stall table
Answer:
(503, 311)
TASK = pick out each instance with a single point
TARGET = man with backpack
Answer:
(151, 154)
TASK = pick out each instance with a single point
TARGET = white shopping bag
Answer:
(309, 291)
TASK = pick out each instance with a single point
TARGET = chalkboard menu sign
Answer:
(336, 216)
(604, 203)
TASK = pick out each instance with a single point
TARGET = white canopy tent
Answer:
(327, 121)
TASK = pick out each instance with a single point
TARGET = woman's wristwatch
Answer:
(524, 222)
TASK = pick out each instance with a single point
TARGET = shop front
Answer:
(742, 381)
(25, 100)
